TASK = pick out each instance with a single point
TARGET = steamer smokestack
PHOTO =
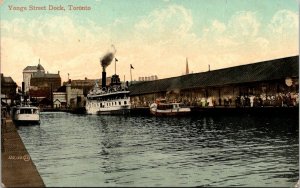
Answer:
(105, 61)
(103, 78)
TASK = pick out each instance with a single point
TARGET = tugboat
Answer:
(112, 99)
(163, 108)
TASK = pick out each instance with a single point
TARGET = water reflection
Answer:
(74, 150)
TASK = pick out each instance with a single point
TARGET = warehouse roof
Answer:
(262, 71)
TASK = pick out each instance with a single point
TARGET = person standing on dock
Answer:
(251, 100)
(230, 100)
(243, 101)
(209, 101)
(203, 102)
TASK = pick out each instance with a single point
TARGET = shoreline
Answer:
(18, 170)
(215, 110)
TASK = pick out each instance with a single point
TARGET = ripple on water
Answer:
(78, 150)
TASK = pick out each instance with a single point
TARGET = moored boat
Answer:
(108, 99)
(113, 100)
(25, 114)
(163, 108)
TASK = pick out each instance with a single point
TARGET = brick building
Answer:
(8, 88)
(43, 84)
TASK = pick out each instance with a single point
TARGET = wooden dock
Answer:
(18, 170)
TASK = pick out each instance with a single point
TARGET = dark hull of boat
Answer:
(169, 113)
(26, 123)
(115, 112)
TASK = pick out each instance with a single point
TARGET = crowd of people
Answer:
(277, 100)
(288, 99)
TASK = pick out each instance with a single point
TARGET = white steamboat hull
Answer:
(108, 107)
(27, 117)
(171, 110)
(26, 114)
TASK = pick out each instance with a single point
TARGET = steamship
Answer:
(111, 99)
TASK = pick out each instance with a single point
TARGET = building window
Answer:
(125, 102)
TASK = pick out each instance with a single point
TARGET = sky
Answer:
(155, 36)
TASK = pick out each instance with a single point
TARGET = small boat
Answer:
(26, 114)
(162, 108)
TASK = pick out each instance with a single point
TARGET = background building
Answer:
(87, 84)
(68, 97)
(27, 74)
(8, 89)
(148, 78)
(43, 84)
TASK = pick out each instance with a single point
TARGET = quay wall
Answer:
(18, 170)
(230, 111)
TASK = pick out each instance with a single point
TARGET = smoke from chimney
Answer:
(105, 61)
(108, 57)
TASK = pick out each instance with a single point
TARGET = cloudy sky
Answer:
(155, 36)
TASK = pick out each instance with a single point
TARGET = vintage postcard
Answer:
(135, 93)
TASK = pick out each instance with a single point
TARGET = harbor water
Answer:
(89, 150)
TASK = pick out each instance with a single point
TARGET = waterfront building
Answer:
(8, 89)
(68, 97)
(43, 84)
(273, 82)
(87, 84)
(27, 74)
(60, 98)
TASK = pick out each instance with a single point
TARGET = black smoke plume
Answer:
(107, 59)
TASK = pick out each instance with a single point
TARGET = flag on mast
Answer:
(131, 66)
